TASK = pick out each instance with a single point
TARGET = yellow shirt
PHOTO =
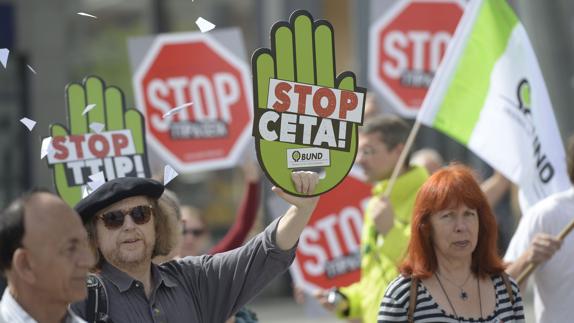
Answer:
(381, 256)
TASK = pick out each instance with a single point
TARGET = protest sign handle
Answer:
(402, 157)
(530, 268)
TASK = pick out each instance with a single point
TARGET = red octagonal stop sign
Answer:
(406, 46)
(328, 254)
(194, 71)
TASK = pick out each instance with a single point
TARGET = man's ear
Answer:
(22, 267)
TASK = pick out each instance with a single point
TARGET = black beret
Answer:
(117, 190)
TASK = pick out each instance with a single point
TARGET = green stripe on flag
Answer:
(467, 92)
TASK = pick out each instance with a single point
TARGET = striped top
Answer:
(396, 304)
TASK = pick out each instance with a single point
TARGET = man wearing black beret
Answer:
(126, 229)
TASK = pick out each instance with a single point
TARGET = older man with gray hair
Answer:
(45, 257)
(127, 229)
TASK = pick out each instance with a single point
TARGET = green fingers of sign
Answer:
(302, 54)
(102, 135)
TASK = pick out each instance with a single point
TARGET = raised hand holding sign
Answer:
(305, 117)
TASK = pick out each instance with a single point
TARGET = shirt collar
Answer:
(11, 311)
(120, 279)
(159, 277)
(123, 281)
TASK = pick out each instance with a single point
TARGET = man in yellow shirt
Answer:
(386, 226)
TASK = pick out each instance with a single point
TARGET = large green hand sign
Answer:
(305, 117)
(108, 138)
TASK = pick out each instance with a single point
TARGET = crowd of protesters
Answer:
(428, 250)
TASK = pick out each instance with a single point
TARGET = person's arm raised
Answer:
(293, 222)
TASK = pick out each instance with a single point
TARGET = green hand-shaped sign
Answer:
(305, 116)
(107, 138)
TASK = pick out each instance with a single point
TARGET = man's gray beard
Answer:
(128, 265)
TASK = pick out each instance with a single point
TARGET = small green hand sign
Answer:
(305, 116)
(108, 137)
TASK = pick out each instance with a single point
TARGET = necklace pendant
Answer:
(463, 295)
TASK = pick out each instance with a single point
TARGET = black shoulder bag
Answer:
(97, 304)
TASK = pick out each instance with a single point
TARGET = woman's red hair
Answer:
(448, 187)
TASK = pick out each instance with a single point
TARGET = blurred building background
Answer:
(64, 47)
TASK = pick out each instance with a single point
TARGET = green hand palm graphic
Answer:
(110, 110)
(301, 51)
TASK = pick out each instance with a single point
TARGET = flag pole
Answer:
(402, 157)
(530, 268)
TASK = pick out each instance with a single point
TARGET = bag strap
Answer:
(508, 285)
(97, 304)
(412, 300)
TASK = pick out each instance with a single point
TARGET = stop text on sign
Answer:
(309, 115)
(208, 117)
(85, 154)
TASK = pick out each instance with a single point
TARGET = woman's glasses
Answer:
(140, 214)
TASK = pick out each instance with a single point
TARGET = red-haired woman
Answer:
(452, 272)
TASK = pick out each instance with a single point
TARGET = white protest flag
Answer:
(489, 95)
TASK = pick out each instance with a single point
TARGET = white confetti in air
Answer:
(87, 15)
(97, 177)
(95, 185)
(4, 52)
(88, 108)
(174, 110)
(204, 25)
(85, 191)
(97, 127)
(29, 123)
(97, 180)
(31, 69)
(46, 147)
(168, 174)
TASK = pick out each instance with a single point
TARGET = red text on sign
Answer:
(312, 100)
(90, 146)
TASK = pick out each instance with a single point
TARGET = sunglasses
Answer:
(140, 214)
(194, 232)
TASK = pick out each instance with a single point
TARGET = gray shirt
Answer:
(196, 289)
